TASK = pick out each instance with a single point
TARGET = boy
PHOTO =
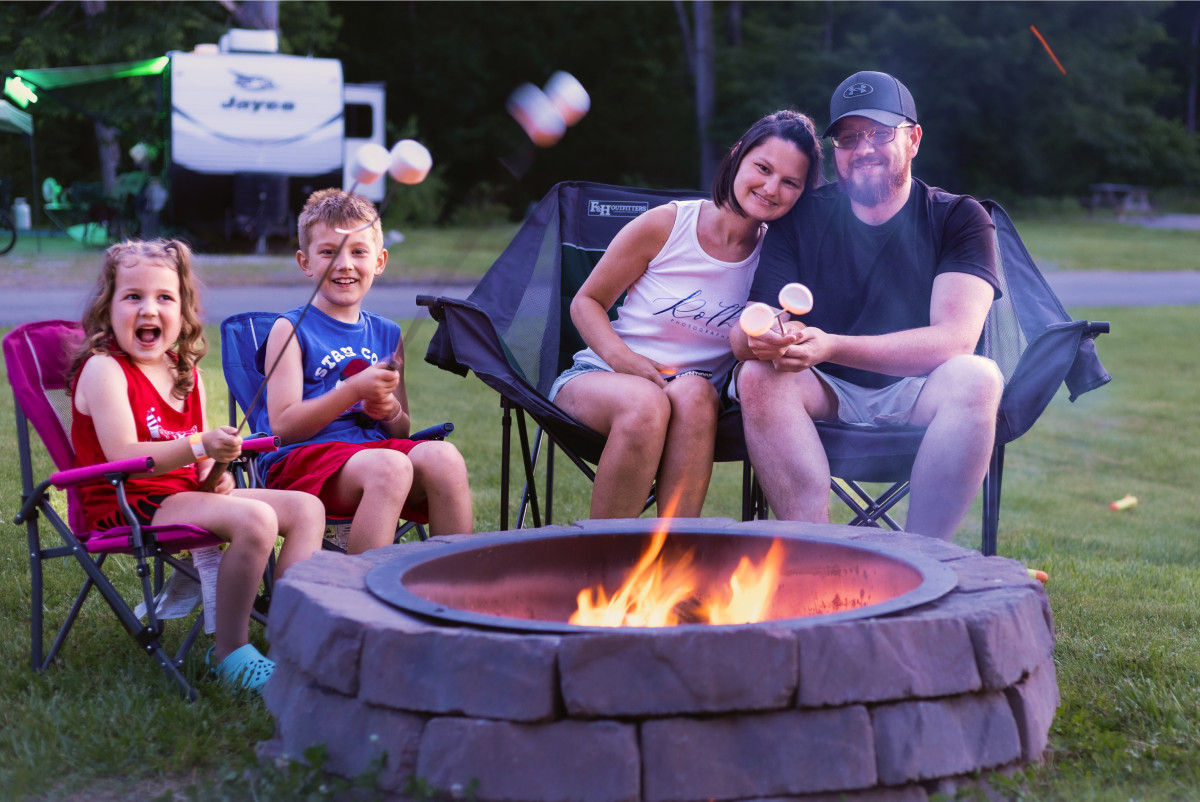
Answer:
(337, 400)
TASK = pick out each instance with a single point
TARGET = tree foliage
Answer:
(1000, 119)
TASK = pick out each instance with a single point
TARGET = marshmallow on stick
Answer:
(756, 319)
(410, 161)
(796, 298)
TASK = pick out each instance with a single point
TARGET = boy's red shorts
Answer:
(309, 467)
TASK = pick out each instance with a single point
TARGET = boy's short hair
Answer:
(337, 208)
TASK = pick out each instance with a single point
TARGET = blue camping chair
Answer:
(242, 335)
(514, 332)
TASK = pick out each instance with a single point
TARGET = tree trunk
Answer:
(110, 155)
(698, 46)
(1190, 122)
(260, 15)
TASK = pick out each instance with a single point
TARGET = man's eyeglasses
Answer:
(876, 136)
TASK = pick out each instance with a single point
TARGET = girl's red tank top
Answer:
(156, 421)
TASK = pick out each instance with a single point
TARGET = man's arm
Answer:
(958, 307)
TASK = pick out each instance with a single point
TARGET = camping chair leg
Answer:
(42, 662)
(549, 481)
(991, 501)
(147, 637)
(748, 488)
(505, 442)
(754, 500)
(529, 500)
(871, 510)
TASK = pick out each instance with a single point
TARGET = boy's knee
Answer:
(307, 507)
(438, 457)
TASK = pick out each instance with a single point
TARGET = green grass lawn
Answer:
(1124, 587)
(1079, 243)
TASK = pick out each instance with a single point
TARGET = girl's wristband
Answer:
(198, 447)
(395, 417)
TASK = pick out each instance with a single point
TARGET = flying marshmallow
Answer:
(537, 114)
(370, 162)
(410, 161)
(568, 96)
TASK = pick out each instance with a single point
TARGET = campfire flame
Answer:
(661, 593)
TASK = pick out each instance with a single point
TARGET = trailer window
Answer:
(360, 121)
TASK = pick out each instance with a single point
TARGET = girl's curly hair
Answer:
(99, 337)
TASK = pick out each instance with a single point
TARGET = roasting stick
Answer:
(408, 162)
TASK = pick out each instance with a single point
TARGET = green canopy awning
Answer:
(59, 77)
(14, 120)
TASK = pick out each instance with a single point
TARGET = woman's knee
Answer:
(645, 414)
(693, 399)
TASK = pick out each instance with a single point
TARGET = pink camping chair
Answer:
(38, 356)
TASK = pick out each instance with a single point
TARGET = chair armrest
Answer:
(437, 432)
(94, 473)
(261, 445)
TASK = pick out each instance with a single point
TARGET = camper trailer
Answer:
(254, 132)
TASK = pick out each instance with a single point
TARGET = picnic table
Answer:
(1123, 199)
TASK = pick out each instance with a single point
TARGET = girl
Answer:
(646, 381)
(136, 392)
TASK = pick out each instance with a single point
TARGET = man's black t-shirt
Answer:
(874, 279)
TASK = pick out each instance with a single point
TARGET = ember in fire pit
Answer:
(918, 665)
(532, 583)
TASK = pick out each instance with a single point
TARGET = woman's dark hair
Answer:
(790, 126)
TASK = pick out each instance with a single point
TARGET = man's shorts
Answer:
(308, 468)
(867, 406)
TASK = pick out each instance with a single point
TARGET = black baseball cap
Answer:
(874, 95)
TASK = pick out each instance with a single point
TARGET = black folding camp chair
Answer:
(242, 335)
(1037, 347)
(514, 333)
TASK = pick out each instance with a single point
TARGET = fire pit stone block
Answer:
(736, 757)
(1034, 700)
(459, 671)
(307, 715)
(576, 761)
(684, 671)
(886, 659)
(927, 739)
(1008, 631)
(334, 620)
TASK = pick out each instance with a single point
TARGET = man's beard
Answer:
(875, 191)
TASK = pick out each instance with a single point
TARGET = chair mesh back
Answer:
(527, 292)
(38, 356)
(241, 337)
(1003, 338)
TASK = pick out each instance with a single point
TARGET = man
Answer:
(902, 276)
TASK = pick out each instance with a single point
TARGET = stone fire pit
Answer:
(888, 708)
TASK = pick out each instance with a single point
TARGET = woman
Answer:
(649, 381)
